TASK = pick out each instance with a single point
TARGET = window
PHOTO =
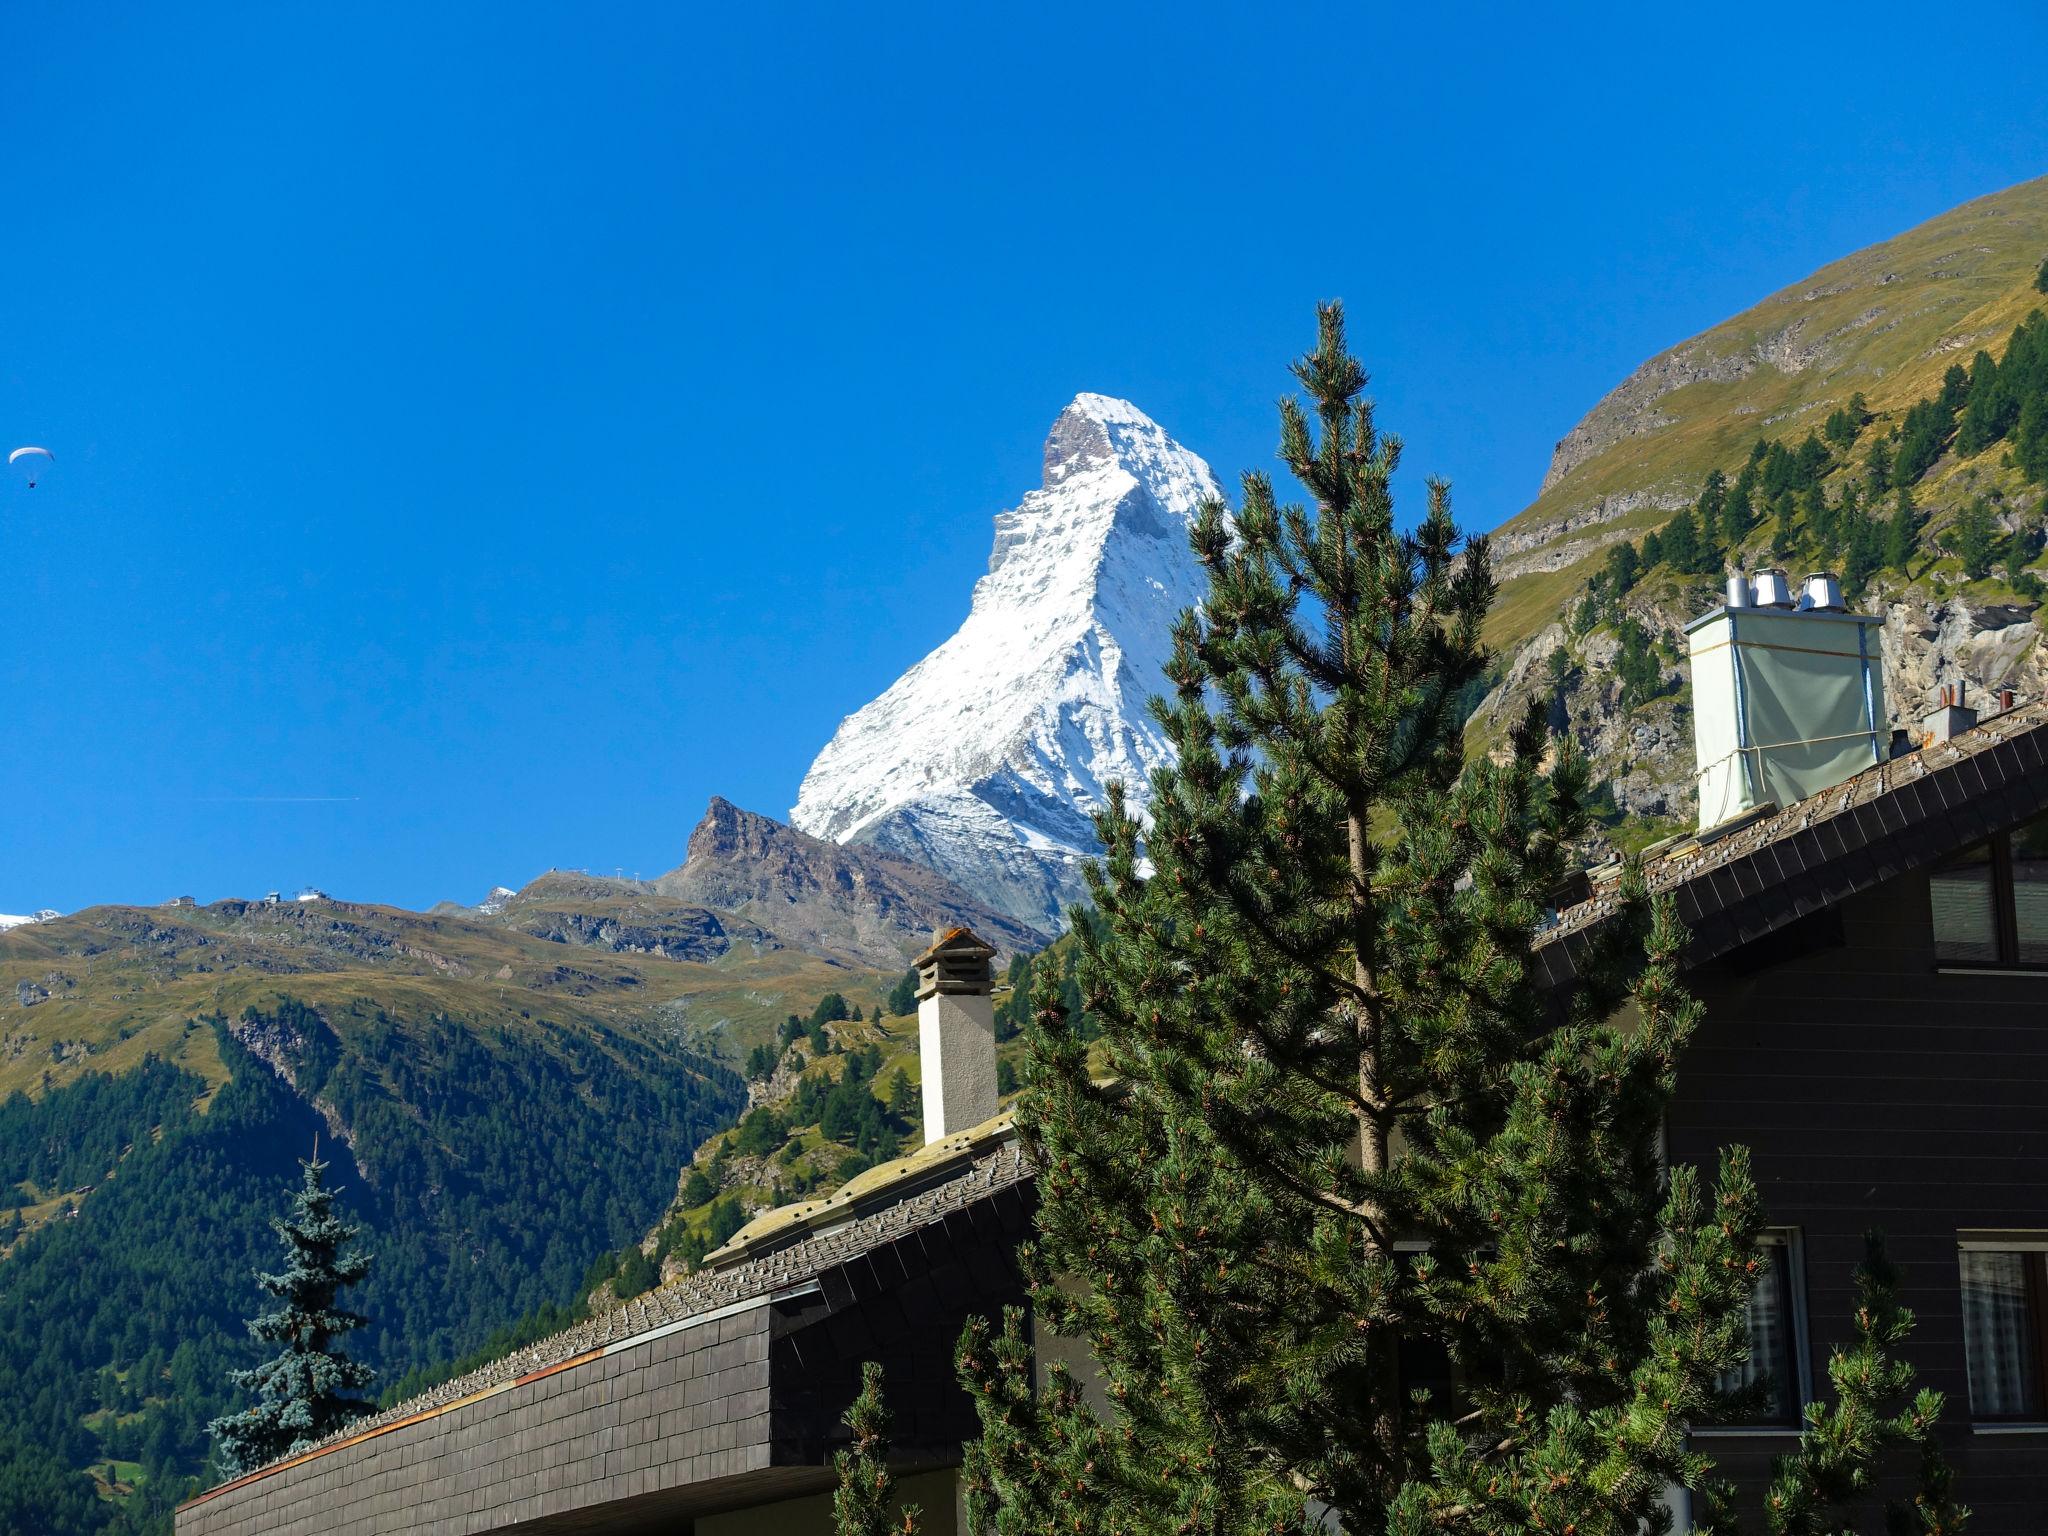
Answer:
(2029, 858)
(1990, 903)
(1425, 1364)
(2005, 1324)
(1777, 1339)
(1965, 902)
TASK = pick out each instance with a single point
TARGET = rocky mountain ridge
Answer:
(860, 904)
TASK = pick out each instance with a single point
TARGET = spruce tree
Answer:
(300, 1393)
(1364, 1220)
(865, 1502)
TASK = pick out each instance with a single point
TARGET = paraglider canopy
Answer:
(30, 462)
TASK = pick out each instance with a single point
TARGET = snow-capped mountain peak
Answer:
(986, 759)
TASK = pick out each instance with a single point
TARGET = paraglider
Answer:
(30, 462)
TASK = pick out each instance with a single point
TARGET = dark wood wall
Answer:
(1876, 1091)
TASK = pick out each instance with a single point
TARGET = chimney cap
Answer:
(957, 963)
(955, 942)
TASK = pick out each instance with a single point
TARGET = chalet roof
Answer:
(1900, 815)
(831, 1255)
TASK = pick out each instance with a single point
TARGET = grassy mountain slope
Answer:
(1887, 324)
(1885, 321)
(507, 1098)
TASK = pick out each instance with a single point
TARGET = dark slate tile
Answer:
(838, 1289)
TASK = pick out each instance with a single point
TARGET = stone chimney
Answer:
(956, 1033)
(1949, 717)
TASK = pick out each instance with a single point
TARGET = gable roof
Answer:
(1901, 815)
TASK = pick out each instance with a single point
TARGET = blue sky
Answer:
(483, 438)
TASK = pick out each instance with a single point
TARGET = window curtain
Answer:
(1770, 1328)
(1998, 1335)
(1965, 911)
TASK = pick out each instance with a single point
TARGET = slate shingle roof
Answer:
(986, 1175)
(1900, 815)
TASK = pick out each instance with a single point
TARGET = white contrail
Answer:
(275, 799)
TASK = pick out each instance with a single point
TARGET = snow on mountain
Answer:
(986, 759)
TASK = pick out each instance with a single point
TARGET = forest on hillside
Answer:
(1780, 502)
(500, 1163)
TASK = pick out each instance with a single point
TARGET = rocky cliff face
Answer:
(858, 904)
(986, 760)
(1644, 752)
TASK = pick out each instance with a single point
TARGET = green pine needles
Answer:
(1363, 1223)
(864, 1504)
(300, 1397)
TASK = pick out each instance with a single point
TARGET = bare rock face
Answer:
(853, 903)
(1645, 754)
(987, 759)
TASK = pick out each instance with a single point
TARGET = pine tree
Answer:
(1681, 546)
(1902, 533)
(1332, 953)
(1738, 514)
(1874, 1414)
(903, 996)
(1976, 539)
(903, 1099)
(300, 1393)
(1820, 520)
(1635, 666)
(1707, 510)
(864, 1503)
(1878, 465)
(1622, 568)
(1863, 553)
(1785, 533)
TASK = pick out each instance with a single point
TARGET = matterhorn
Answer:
(986, 760)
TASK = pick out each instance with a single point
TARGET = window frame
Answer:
(2005, 919)
(2035, 1245)
(1790, 1253)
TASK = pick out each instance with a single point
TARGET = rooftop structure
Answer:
(1788, 694)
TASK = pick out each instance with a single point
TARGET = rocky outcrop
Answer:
(853, 903)
(1645, 753)
(1630, 409)
(687, 933)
